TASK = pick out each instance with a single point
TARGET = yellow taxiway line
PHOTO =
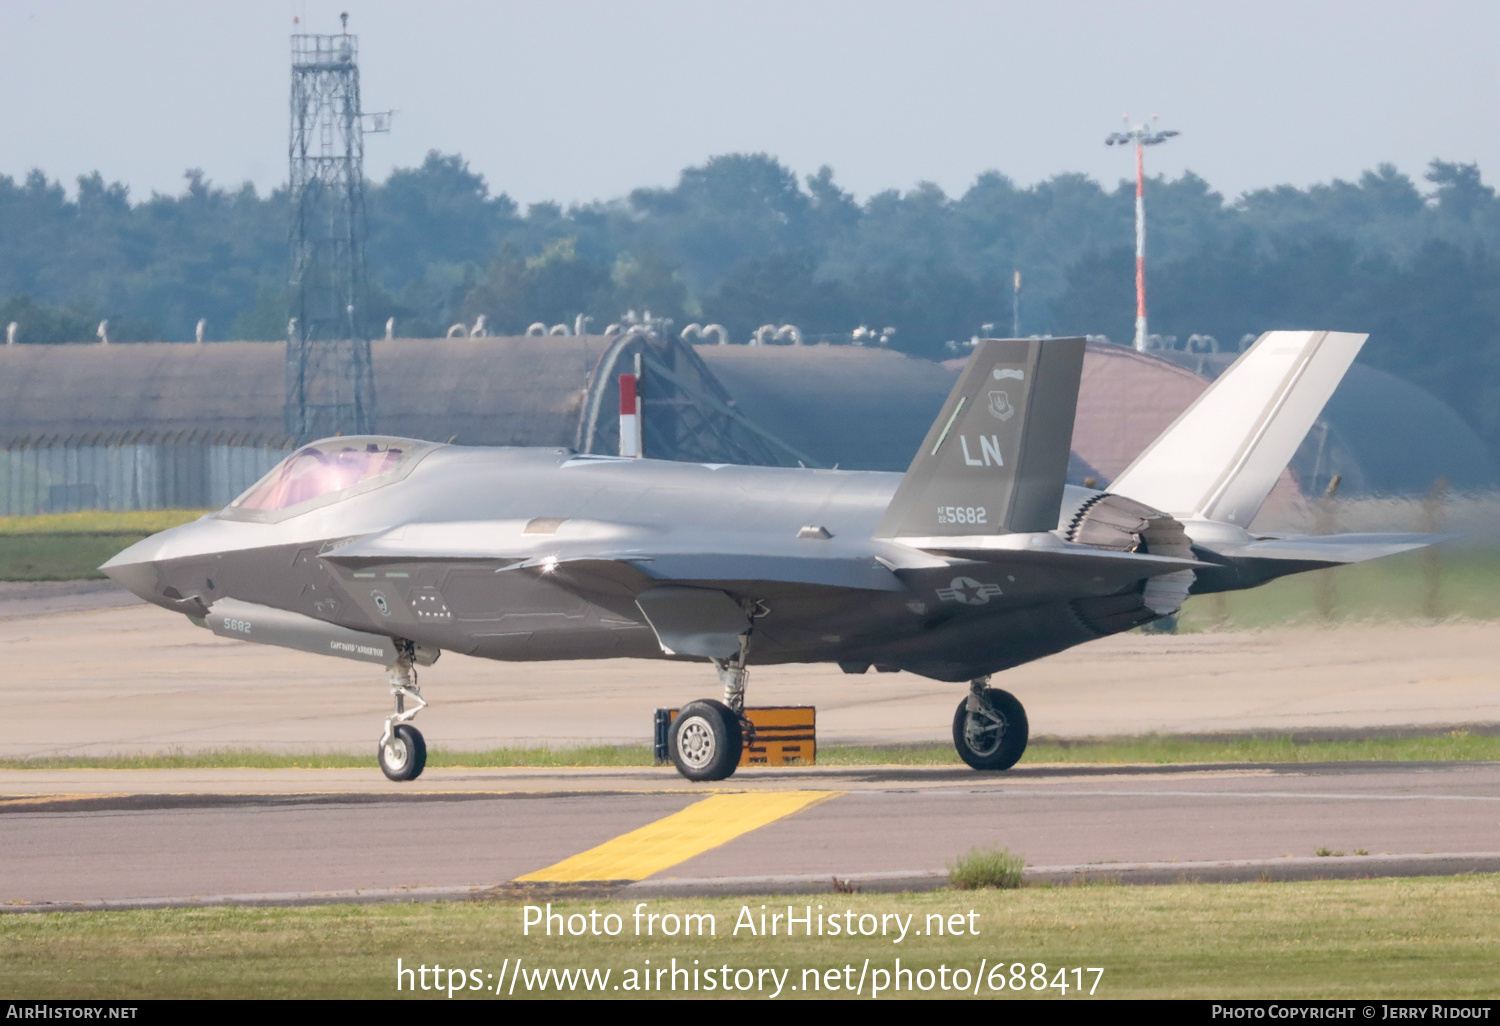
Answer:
(48, 799)
(678, 837)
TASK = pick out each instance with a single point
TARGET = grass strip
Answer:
(1424, 585)
(1424, 938)
(1164, 749)
(70, 546)
(59, 557)
(140, 521)
(1454, 746)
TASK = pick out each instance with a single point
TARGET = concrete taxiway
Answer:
(90, 672)
(465, 832)
(135, 679)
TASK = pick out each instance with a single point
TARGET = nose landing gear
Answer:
(989, 727)
(402, 751)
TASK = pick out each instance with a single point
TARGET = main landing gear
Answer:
(707, 737)
(402, 752)
(989, 727)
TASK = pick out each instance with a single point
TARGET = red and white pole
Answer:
(1140, 247)
(630, 416)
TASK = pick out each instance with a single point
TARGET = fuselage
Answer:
(436, 552)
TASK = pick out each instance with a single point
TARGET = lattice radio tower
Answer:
(330, 386)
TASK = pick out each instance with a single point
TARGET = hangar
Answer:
(173, 410)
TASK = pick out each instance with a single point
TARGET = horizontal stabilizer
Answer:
(1331, 548)
(1127, 565)
(1245, 561)
(1221, 457)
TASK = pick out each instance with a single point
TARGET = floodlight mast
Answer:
(1142, 135)
(330, 383)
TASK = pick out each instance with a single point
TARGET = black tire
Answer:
(996, 739)
(705, 740)
(405, 756)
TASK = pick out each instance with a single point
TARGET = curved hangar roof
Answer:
(855, 407)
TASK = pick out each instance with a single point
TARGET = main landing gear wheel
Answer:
(989, 729)
(405, 755)
(705, 740)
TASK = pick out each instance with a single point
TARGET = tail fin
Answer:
(995, 460)
(1219, 460)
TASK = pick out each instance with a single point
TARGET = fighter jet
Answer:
(979, 558)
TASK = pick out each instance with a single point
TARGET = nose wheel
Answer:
(404, 756)
(402, 752)
(989, 728)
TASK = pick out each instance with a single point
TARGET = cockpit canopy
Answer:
(326, 471)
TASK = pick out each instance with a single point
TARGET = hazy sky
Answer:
(573, 100)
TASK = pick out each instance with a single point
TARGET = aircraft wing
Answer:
(695, 601)
(683, 582)
(628, 552)
(862, 573)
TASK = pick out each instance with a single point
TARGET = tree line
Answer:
(742, 240)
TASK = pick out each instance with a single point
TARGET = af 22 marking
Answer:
(962, 515)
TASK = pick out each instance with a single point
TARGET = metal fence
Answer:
(138, 470)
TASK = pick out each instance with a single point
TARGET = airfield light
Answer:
(1142, 135)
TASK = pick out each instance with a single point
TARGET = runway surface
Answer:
(290, 836)
(90, 672)
(135, 679)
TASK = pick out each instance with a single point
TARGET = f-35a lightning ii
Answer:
(978, 559)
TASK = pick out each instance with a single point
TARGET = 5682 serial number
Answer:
(961, 515)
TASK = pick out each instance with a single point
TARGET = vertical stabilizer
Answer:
(1220, 459)
(996, 458)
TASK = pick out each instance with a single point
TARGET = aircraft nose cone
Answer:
(139, 578)
(147, 569)
(154, 568)
(135, 570)
(138, 569)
